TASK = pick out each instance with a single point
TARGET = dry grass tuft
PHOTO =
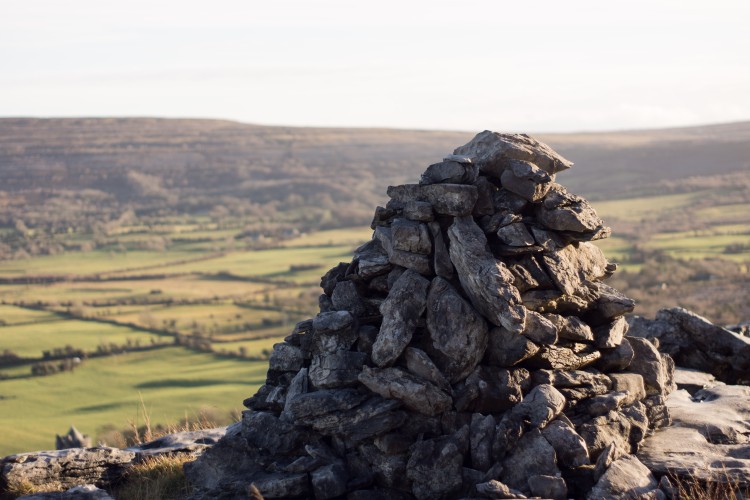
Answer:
(692, 488)
(156, 478)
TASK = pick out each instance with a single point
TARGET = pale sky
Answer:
(537, 66)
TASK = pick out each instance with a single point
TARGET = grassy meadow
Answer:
(195, 327)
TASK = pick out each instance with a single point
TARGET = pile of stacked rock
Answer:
(470, 349)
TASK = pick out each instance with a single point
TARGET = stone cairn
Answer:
(470, 349)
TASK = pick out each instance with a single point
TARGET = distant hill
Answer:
(78, 174)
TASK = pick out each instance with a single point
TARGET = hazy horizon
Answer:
(540, 67)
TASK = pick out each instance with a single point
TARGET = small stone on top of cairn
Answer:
(470, 349)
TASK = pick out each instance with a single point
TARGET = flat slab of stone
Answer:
(416, 393)
(709, 439)
(492, 150)
(65, 469)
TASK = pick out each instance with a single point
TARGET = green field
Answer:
(106, 391)
(241, 303)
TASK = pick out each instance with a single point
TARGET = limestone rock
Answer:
(435, 468)
(64, 469)
(417, 394)
(486, 281)
(73, 439)
(450, 172)
(401, 310)
(457, 333)
(570, 448)
(508, 349)
(532, 456)
(626, 478)
(491, 151)
(526, 180)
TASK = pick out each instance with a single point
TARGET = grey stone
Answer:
(491, 151)
(637, 415)
(625, 479)
(389, 470)
(486, 281)
(336, 369)
(73, 439)
(526, 180)
(441, 258)
(279, 485)
(606, 458)
(496, 489)
(611, 335)
(694, 342)
(435, 468)
(574, 384)
(515, 235)
(415, 261)
(329, 481)
(373, 417)
(553, 301)
(485, 195)
(333, 276)
(333, 331)
(85, 492)
(416, 393)
(563, 211)
(602, 431)
(393, 443)
(346, 298)
(564, 358)
(616, 359)
(63, 469)
(286, 358)
(532, 456)
(570, 448)
(552, 487)
(709, 439)
(629, 383)
(648, 362)
(451, 172)
(266, 431)
(457, 333)
(541, 405)
(420, 364)
(446, 199)
(193, 442)
(572, 265)
(540, 329)
(610, 304)
(571, 328)
(372, 259)
(418, 211)
(693, 380)
(482, 437)
(401, 310)
(299, 385)
(313, 404)
(498, 389)
(410, 236)
(508, 349)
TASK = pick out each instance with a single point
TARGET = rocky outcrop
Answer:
(64, 469)
(76, 472)
(694, 342)
(73, 439)
(709, 441)
(470, 348)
